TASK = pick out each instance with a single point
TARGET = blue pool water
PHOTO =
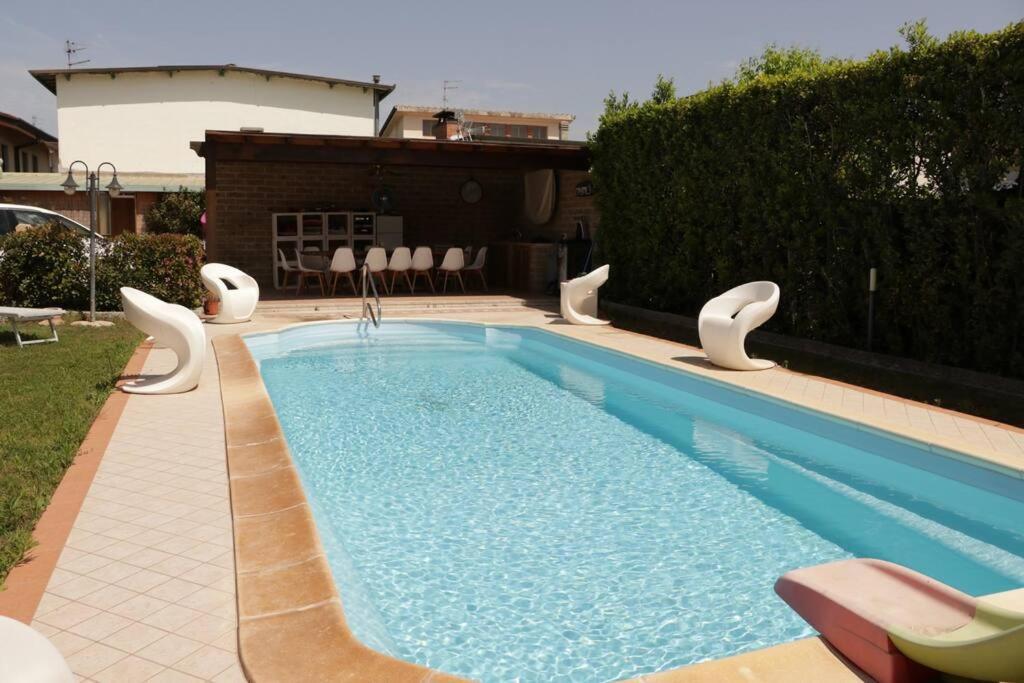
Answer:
(508, 504)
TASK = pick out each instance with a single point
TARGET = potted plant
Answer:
(211, 305)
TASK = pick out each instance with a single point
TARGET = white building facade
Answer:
(142, 119)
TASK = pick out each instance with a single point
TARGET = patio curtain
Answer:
(539, 195)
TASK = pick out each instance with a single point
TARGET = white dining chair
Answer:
(452, 265)
(422, 264)
(401, 262)
(285, 266)
(343, 263)
(478, 266)
(307, 272)
(377, 260)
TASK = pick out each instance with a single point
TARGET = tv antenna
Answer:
(71, 48)
(447, 86)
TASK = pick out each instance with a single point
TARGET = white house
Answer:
(143, 118)
(409, 121)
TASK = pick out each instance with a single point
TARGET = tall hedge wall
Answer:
(810, 180)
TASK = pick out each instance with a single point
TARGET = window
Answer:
(5, 157)
(35, 163)
(32, 218)
(539, 132)
(24, 162)
(428, 127)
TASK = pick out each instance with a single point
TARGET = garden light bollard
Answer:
(872, 286)
(92, 185)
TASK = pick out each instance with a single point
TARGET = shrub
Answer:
(812, 177)
(177, 212)
(166, 266)
(44, 266)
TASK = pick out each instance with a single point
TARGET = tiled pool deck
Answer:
(145, 587)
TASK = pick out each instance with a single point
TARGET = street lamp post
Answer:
(92, 185)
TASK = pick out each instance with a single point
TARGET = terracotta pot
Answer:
(211, 306)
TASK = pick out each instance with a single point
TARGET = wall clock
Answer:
(471, 191)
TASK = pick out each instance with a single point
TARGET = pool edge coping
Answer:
(291, 620)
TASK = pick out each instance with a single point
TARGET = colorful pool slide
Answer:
(900, 626)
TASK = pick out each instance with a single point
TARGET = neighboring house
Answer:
(143, 118)
(406, 121)
(25, 148)
(115, 215)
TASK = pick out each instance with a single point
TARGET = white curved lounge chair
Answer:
(579, 297)
(236, 303)
(726, 320)
(28, 656)
(177, 328)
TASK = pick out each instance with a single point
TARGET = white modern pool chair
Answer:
(377, 260)
(307, 272)
(726, 320)
(401, 262)
(343, 263)
(285, 266)
(579, 297)
(478, 266)
(422, 264)
(452, 265)
(238, 293)
(173, 326)
(28, 656)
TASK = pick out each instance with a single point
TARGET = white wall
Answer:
(144, 121)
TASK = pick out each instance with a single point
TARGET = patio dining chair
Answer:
(422, 264)
(285, 266)
(377, 260)
(308, 273)
(343, 263)
(401, 262)
(452, 265)
(478, 266)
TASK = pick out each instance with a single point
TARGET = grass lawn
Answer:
(49, 396)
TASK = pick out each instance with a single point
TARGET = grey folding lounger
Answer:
(24, 315)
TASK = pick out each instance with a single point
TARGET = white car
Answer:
(14, 215)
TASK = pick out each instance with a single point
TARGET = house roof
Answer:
(351, 149)
(48, 77)
(25, 128)
(132, 182)
(431, 110)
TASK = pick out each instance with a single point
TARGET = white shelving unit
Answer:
(323, 231)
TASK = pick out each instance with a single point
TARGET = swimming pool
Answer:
(508, 504)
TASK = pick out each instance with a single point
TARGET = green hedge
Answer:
(166, 266)
(49, 266)
(809, 180)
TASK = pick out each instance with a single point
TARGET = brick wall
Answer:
(240, 206)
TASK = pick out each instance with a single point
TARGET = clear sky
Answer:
(553, 56)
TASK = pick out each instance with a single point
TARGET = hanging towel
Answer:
(539, 195)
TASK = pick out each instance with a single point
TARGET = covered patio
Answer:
(272, 195)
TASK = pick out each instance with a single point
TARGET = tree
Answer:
(782, 61)
(177, 212)
(917, 36)
(664, 90)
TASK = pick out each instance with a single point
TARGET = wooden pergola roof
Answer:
(346, 149)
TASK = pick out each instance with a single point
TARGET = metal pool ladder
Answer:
(367, 310)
